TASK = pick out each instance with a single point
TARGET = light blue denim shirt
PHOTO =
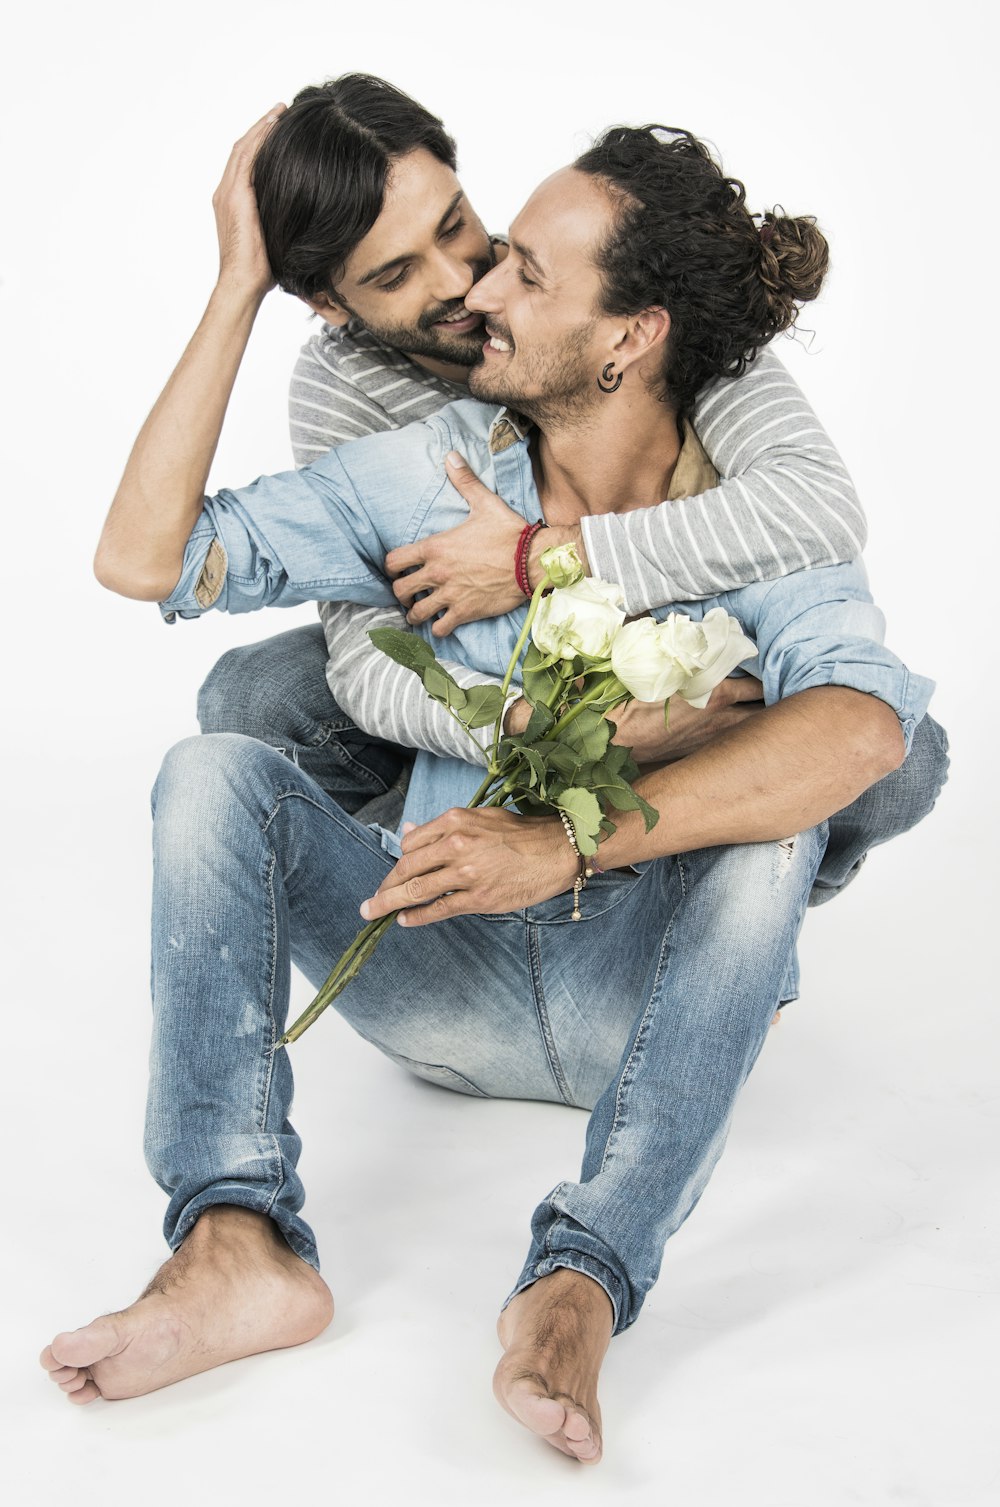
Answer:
(322, 533)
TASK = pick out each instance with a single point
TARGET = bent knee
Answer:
(200, 775)
(275, 690)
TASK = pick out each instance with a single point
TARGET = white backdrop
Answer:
(839, 1263)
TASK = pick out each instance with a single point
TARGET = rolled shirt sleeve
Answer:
(821, 627)
(306, 536)
(296, 537)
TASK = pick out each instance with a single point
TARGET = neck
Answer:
(622, 458)
(446, 369)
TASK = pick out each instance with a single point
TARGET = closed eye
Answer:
(397, 281)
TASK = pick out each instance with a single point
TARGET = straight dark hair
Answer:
(320, 176)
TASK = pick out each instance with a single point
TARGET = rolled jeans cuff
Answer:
(588, 1266)
(297, 1234)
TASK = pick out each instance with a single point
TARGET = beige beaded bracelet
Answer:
(587, 870)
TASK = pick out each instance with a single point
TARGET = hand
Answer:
(475, 863)
(640, 724)
(242, 257)
(468, 571)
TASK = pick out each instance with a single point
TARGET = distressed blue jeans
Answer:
(650, 1012)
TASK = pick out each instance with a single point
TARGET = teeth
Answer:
(498, 345)
(455, 318)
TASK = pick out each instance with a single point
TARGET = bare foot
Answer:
(555, 1334)
(233, 1288)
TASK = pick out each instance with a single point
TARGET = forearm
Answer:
(784, 502)
(386, 699)
(779, 773)
(161, 493)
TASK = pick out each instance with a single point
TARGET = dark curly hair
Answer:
(321, 173)
(683, 239)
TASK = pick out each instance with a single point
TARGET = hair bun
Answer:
(794, 260)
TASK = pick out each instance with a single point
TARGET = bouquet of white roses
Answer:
(582, 662)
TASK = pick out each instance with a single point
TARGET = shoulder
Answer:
(413, 457)
(347, 352)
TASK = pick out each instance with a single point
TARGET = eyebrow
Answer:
(527, 255)
(411, 256)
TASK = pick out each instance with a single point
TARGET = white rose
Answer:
(679, 656)
(580, 619)
(562, 565)
(726, 646)
(642, 663)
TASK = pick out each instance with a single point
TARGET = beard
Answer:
(427, 339)
(554, 385)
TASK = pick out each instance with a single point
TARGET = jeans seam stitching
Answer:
(542, 1016)
(654, 996)
(265, 1087)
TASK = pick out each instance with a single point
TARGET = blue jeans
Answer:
(650, 1012)
(276, 691)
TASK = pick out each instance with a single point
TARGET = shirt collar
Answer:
(693, 473)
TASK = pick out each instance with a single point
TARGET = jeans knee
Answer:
(274, 690)
(227, 697)
(200, 777)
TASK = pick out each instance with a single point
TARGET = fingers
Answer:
(407, 586)
(260, 128)
(407, 557)
(246, 148)
(465, 481)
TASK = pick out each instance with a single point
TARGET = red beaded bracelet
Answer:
(521, 556)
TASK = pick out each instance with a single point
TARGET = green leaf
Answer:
(483, 705)
(619, 795)
(538, 677)
(530, 805)
(439, 684)
(407, 649)
(588, 734)
(539, 722)
(650, 815)
(615, 756)
(583, 810)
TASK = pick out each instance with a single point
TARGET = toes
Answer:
(577, 1426)
(88, 1393)
(48, 1360)
(85, 1347)
(76, 1381)
(63, 1375)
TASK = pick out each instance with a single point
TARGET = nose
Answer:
(485, 296)
(452, 278)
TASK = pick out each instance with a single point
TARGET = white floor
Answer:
(823, 1331)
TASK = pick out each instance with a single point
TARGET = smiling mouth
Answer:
(462, 319)
(496, 344)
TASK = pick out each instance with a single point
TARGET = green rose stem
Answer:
(536, 597)
(368, 938)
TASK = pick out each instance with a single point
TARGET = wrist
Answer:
(235, 299)
(549, 538)
(516, 717)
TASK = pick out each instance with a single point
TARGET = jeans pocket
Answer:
(601, 894)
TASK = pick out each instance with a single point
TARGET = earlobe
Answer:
(328, 310)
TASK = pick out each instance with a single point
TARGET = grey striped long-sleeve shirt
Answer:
(784, 502)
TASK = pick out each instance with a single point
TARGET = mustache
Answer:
(433, 316)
